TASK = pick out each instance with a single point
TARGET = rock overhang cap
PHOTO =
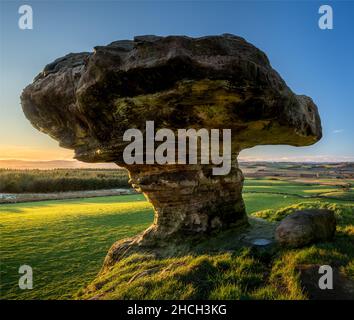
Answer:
(86, 101)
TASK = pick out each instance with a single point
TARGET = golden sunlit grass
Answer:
(64, 241)
(243, 274)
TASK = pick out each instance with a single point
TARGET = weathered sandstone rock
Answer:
(87, 101)
(305, 227)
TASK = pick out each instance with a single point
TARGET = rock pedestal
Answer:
(188, 199)
(87, 101)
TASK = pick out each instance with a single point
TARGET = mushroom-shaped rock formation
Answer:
(87, 101)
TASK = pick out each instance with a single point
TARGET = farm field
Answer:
(65, 241)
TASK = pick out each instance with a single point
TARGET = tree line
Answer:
(60, 180)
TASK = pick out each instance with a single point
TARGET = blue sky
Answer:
(315, 62)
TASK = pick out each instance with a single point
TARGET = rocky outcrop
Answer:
(87, 101)
(305, 227)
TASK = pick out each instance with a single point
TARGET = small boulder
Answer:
(304, 227)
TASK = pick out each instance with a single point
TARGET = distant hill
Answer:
(53, 164)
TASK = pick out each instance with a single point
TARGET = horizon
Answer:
(16, 164)
(311, 61)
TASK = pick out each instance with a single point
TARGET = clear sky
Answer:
(315, 62)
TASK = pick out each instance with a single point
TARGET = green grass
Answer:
(338, 253)
(297, 188)
(221, 276)
(65, 243)
(243, 274)
(259, 201)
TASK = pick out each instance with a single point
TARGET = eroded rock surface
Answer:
(304, 227)
(87, 101)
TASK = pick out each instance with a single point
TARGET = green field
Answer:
(66, 241)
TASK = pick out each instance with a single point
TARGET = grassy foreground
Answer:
(245, 273)
(65, 243)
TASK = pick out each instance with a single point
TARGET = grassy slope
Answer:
(243, 274)
(66, 241)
